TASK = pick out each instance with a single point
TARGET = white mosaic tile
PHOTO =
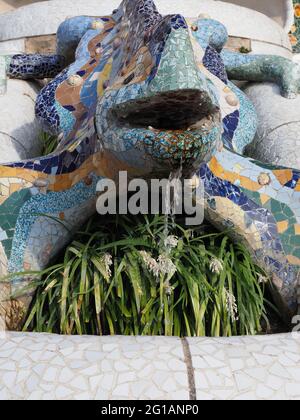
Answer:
(158, 372)
(259, 368)
(92, 368)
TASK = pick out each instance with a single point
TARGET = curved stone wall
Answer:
(279, 10)
(44, 18)
(7, 5)
(19, 129)
(278, 136)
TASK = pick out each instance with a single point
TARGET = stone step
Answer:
(43, 366)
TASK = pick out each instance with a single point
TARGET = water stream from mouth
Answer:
(173, 199)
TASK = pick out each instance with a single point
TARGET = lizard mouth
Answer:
(169, 111)
(168, 129)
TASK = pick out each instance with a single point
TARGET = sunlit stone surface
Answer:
(47, 367)
(44, 18)
(278, 136)
(19, 129)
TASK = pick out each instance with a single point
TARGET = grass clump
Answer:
(49, 143)
(244, 50)
(126, 276)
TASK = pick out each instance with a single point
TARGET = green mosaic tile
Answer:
(9, 213)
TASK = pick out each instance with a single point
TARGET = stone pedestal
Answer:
(19, 130)
(278, 135)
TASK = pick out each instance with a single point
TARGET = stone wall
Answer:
(7, 5)
(278, 10)
(43, 19)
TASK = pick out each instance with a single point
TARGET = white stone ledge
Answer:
(278, 136)
(19, 128)
(14, 46)
(259, 47)
(44, 18)
(41, 366)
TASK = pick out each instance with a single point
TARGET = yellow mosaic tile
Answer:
(283, 175)
(218, 170)
(264, 198)
(282, 226)
(15, 187)
(293, 260)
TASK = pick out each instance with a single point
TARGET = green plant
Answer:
(49, 143)
(244, 50)
(127, 276)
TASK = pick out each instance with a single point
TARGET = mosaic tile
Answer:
(146, 93)
(35, 66)
(46, 366)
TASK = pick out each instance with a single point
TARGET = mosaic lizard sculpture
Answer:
(144, 94)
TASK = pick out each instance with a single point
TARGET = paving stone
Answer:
(263, 392)
(254, 368)
(83, 374)
(293, 389)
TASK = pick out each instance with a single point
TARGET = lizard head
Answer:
(158, 107)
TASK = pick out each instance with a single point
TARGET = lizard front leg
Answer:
(69, 35)
(34, 66)
(247, 67)
(264, 68)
